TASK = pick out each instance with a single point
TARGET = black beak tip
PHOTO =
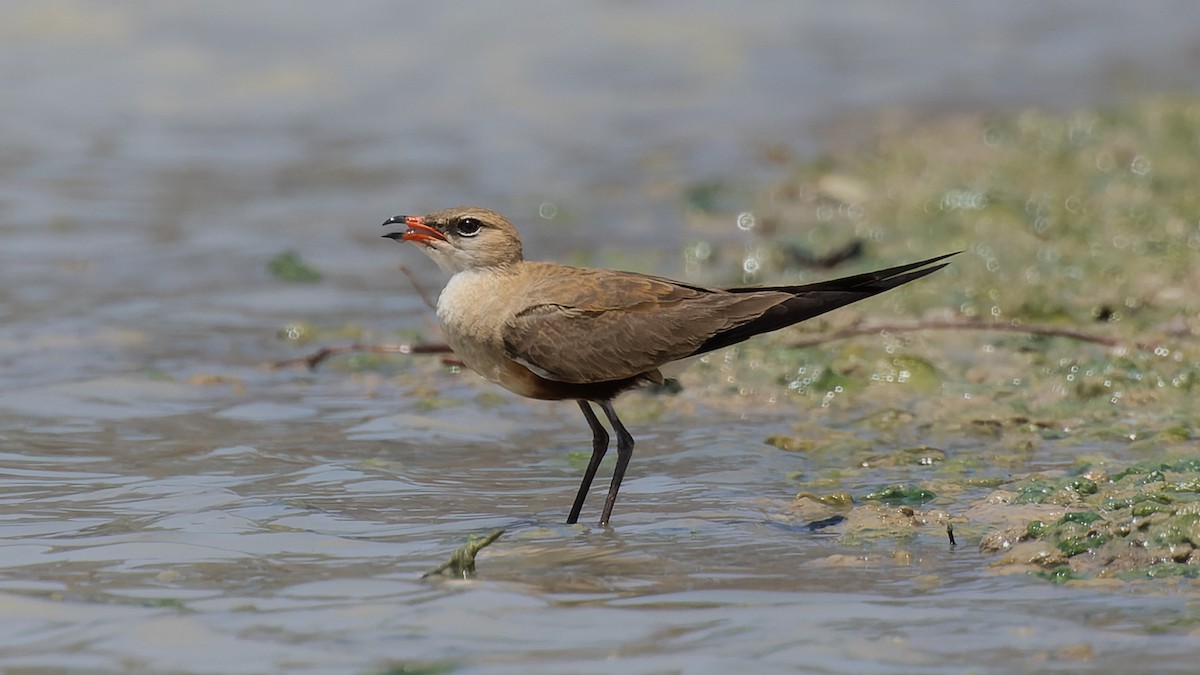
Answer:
(394, 235)
(395, 220)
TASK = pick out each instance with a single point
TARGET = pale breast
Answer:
(472, 308)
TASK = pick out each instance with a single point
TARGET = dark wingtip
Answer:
(890, 277)
(879, 280)
(901, 279)
(812, 300)
(912, 266)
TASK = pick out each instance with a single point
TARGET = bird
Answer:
(556, 332)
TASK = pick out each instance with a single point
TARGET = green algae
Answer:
(1138, 522)
(1084, 225)
(901, 494)
(291, 268)
(461, 563)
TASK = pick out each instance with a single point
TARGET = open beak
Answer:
(417, 232)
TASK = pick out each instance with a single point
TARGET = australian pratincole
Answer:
(556, 332)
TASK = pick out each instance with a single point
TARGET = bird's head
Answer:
(461, 238)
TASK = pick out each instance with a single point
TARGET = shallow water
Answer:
(167, 504)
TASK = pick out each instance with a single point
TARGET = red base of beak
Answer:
(419, 232)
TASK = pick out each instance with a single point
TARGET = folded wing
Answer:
(610, 325)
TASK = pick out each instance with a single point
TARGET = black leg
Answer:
(599, 447)
(624, 453)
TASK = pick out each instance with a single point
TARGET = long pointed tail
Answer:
(882, 279)
(811, 300)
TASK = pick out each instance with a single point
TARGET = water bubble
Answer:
(746, 221)
(1140, 165)
(963, 200)
(548, 210)
(829, 395)
(751, 264)
(700, 251)
(1079, 130)
(293, 332)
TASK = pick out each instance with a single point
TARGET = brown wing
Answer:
(608, 325)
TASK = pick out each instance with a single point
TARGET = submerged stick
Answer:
(315, 359)
(1027, 329)
(320, 355)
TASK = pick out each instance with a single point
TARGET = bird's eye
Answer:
(468, 227)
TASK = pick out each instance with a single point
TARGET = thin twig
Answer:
(874, 328)
(314, 359)
(421, 292)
